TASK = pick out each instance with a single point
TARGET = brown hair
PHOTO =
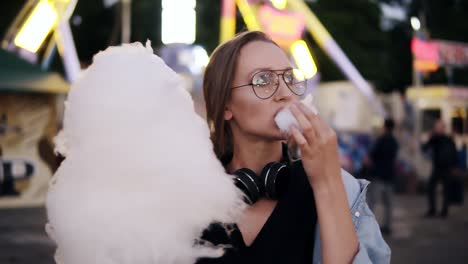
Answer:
(217, 85)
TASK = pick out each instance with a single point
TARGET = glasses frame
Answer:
(251, 84)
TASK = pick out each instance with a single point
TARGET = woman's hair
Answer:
(217, 85)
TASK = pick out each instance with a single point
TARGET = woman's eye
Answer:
(261, 80)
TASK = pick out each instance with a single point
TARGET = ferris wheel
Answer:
(285, 21)
(41, 27)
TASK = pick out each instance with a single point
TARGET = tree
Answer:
(101, 26)
(355, 25)
(397, 58)
(382, 57)
(94, 32)
(208, 23)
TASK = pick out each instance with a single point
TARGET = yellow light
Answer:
(462, 112)
(248, 14)
(279, 4)
(228, 20)
(313, 24)
(303, 58)
(38, 25)
(428, 92)
(299, 75)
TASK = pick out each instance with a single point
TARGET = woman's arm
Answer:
(319, 151)
(338, 237)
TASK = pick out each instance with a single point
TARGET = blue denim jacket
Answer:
(372, 247)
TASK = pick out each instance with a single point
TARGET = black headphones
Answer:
(271, 183)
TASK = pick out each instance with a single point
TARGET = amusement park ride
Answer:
(42, 27)
(285, 21)
(39, 29)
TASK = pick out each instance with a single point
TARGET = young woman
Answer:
(319, 213)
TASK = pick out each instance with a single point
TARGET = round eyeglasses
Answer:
(265, 83)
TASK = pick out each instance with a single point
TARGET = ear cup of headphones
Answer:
(248, 182)
(275, 179)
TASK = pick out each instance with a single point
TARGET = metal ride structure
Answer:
(41, 27)
(284, 21)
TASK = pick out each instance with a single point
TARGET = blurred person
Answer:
(463, 158)
(383, 157)
(2, 175)
(248, 80)
(444, 161)
(456, 178)
(366, 171)
(2, 132)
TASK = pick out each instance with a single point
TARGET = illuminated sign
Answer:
(283, 27)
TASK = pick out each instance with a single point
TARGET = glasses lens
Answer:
(296, 81)
(265, 84)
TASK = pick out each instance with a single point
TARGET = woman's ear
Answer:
(227, 113)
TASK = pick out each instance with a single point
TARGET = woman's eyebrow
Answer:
(257, 70)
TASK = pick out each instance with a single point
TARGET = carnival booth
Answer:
(433, 102)
(347, 110)
(30, 99)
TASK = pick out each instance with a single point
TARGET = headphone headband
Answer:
(271, 183)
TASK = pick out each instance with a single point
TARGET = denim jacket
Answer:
(372, 247)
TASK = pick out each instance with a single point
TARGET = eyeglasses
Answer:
(266, 83)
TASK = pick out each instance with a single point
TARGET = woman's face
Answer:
(247, 113)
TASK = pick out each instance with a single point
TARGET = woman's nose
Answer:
(283, 91)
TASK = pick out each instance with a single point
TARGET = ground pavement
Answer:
(414, 238)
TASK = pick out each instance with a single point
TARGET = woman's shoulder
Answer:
(355, 188)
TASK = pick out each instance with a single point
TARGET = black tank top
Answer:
(286, 237)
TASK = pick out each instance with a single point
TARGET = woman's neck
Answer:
(254, 154)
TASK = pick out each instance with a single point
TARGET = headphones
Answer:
(271, 183)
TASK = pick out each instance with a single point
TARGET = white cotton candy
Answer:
(285, 119)
(140, 181)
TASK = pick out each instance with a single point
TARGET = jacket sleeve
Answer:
(372, 246)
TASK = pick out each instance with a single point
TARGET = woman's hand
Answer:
(318, 144)
(319, 151)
